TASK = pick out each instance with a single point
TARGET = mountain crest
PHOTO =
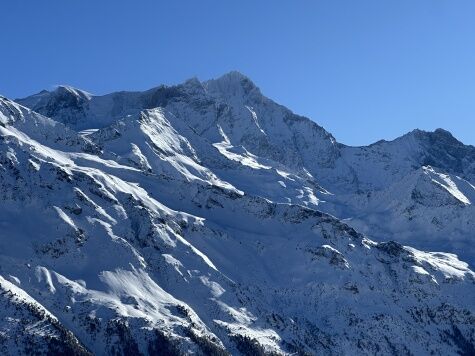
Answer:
(69, 90)
(234, 84)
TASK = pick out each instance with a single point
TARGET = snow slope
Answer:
(194, 220)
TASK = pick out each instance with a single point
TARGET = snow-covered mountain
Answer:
(417, 189)
(204, 218)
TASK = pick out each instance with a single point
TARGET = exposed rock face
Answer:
(195, 219)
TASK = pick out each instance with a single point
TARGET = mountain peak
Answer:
(233, 75)
(69, 90)
(439, 134)
(60, 93)
(233, 83)
(193, 81)
(193, 85)
(444, 133)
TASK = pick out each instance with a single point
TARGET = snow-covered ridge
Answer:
(206, 219)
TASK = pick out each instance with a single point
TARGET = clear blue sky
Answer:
(363, 69)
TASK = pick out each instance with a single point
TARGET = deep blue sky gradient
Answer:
(365, 69)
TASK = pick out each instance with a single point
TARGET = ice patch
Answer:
(254, 117)
(65, 218)
(44, 275)
(216, 289)
(244, 157)
(447, 183)
(284, 175)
